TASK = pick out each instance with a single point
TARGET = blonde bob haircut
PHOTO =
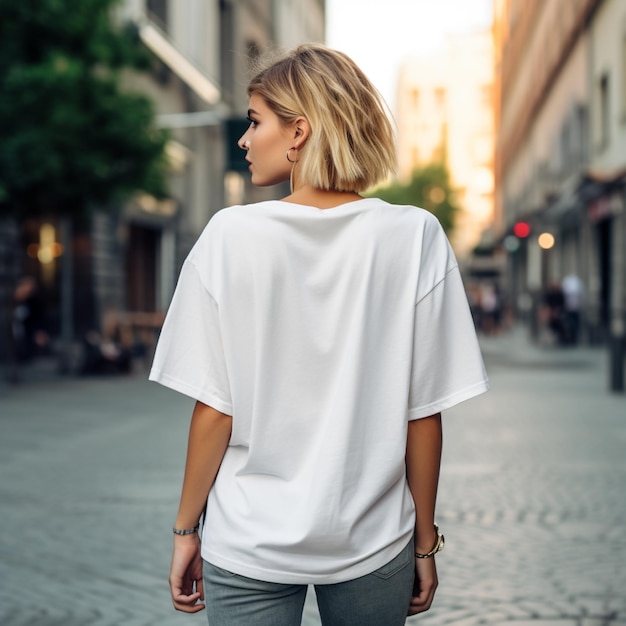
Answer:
(351, 144)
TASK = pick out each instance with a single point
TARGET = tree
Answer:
(70, 137)
(429, 188)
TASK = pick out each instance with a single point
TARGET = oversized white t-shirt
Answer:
(322, 332)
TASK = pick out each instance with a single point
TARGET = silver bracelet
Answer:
(439, 543)
(185, 531)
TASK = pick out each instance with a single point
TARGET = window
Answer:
(582, 126)
(440, 97)
(565, 156)
(604, 118)
(226, 52)
(157, 12)
(624, 78)
(573, 139)
(415, 99)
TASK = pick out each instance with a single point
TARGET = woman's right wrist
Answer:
(182, 527)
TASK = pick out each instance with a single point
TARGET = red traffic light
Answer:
(521, 230)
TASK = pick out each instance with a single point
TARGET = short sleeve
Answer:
(189, 357)
(447, 365)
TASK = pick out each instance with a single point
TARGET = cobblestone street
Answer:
(532, 498)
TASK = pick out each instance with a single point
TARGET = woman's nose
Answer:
(244, 144)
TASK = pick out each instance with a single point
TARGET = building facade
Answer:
(445, 113)
(561, 154)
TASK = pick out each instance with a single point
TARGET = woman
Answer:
(321, 336)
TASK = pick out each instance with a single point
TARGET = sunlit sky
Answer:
(380, 34)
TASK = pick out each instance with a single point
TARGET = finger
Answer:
(187, 603)
(424, 597)
(181, 586)
(422, 601)
(186, 598)
(196, 608)
(200, 587)
(419, 607)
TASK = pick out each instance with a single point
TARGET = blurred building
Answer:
(561, 150)
(445, 112)
(207, 50)
(126, 263)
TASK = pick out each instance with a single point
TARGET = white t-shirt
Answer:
(322, 332)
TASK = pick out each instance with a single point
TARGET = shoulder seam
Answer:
(451, 269)
(192, 262)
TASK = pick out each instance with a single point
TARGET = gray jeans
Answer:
(379, 599)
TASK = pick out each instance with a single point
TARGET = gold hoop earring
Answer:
(293, 167)
(287, 155)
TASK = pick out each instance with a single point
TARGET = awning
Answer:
(596, 183)
(156, 41)
(567, 202)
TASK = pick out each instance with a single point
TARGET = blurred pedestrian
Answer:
(30, 336)
(321, 336)
(572, 288)
(554, 306)
(490, 308)
(473, 299)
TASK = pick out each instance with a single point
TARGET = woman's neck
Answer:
(321, 198)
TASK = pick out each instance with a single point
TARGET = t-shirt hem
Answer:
(295, 578)
(192, 391)
(445, 403)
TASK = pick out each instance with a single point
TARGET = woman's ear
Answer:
(302, 130)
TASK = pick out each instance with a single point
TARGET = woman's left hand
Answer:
(425, 585)
(186, 574)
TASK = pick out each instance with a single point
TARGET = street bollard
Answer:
(617, 355)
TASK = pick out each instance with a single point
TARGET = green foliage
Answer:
(70, 137)
(429, 188)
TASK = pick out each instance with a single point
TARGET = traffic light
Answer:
(521, 230)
